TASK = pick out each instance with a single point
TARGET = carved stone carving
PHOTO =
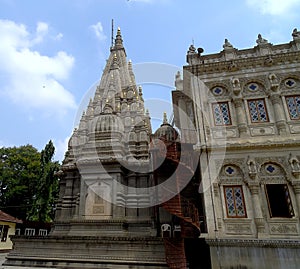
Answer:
(236, 86)
(260, 40)
(260, 225)
(216, 189)
(232, 66)
(269, 61)
(295, 166)
(284, 228)
(263, 130)
(227, 44)
(252, 167)
(274, 82)
(254, 243)
(238, 228)
(296, 34)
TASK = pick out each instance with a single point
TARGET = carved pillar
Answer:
(68, 199)
(144, 200)
(278, 112)
(182, 111)
(77, 201)
(241, 117)
(131, 210)
(239, 107)
(218, 207)
(258, 216)
(118, 206)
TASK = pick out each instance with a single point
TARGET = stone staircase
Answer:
(189, 222)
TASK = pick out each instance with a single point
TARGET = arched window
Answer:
(293, 105)
(221, 113)
(220, 106)
(235, 202)
(277, 191)
(258, 110)
(231, 180)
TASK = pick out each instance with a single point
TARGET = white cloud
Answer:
(41, 32)
(143, 1)
(98, 30)
(33, 79)
(273, 7)
(5, 145)
(61, 147)
(59, 36)
(150, 1)
(276, 36)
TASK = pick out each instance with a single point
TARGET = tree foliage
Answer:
(47, 189)
(28, 185)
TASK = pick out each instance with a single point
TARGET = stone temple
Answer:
(218, 187)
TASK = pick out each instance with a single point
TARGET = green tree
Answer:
(19, 174)
(28, 185)
(47, 188)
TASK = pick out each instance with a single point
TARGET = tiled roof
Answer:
(6, 217)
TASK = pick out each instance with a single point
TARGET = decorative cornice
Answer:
(73, 259)
(264, 243)
(248, 144)
(90, 239)
(204, 66)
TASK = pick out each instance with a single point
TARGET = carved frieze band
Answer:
(268, 243)
(284, 228)
(238, 228)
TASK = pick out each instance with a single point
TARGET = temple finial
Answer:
(119, 40)
(165, 120)
(140, 90)
(130, 65)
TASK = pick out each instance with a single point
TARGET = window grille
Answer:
(293, 104)
(235, 204)
(221, 113)
(258, 110)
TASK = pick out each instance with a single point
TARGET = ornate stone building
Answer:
(246, 110)
(221, 190)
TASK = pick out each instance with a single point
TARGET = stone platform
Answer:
(87, 252)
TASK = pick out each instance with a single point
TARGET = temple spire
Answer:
(119, 40)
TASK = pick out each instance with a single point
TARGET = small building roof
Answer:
(6, 217)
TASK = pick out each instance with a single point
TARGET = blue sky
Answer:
(52, 52)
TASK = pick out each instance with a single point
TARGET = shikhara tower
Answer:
(112, 138)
